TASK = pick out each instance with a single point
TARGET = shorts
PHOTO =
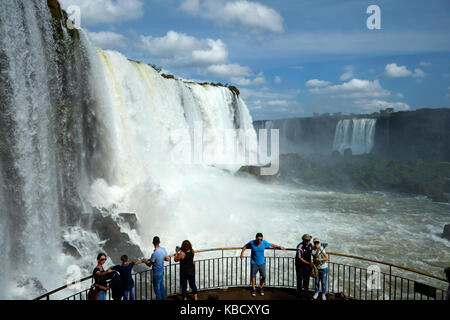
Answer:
(258, 267)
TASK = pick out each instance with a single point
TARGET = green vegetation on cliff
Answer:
(367, 172)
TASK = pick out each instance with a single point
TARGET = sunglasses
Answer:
(103, 259)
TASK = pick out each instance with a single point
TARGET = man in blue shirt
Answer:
(157, 263)
(258, 262)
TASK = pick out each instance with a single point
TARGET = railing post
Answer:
(390, 275)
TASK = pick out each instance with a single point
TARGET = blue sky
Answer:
(289, 58)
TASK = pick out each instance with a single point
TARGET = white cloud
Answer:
(424, 64)
(258, 80)
(106, 11)
(228, 70)
(354, 88)
(277, 102)
(348, 74)
(252, 15)
(392, 70)
(181, 50)
(374, 105)
(419, 73)
(277, 79)
(108, 40)
(215, 53)
(317, 83)
(171, 44)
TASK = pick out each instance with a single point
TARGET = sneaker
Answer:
(324, 297)
(253, 293)
(315, 295)
(261, 291)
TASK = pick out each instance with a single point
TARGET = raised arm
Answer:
(179, 256)
(242, 252)
(277, 246)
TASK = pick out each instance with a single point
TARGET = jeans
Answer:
(158, 286)
(101, 295)
(322, 278)
(128, 293)
(184, 279)
(303, 272)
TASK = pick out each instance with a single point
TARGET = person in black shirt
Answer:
(100, 276)
(187, 271)
(303, 266)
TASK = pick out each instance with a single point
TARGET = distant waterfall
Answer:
(356, 134)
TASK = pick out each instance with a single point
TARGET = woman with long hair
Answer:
(99, 277)
(185, 255)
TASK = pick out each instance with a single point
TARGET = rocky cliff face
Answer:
(406, 135)
(421, 134)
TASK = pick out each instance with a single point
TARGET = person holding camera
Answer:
(185, 255)
(320, 258)
(157, 263)
(100, 277)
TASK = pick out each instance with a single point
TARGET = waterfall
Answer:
(356, 134)
(81, 128)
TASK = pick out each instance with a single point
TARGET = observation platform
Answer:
(222, 275)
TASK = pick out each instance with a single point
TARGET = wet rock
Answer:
(70, 250)
(446, 233)
(32, 284)
(129, 218)
(117, 243)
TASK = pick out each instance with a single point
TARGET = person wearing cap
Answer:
(258, 262)
(303, 266)
(320, 258)
(157, 263)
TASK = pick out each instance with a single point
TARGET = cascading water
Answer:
(356, 134)
(82, 128)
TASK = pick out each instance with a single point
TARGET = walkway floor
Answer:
(245, 294)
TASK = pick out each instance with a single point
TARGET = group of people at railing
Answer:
(121, 281)
(310, 261)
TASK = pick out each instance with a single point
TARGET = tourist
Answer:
(258, 262)
(320, 259)
(157, 263)
(127, 279)
(303, 266)
(447, 274)
(185, 255)
(100, 277)
(116, 285)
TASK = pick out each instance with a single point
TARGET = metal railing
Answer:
(354, 281)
